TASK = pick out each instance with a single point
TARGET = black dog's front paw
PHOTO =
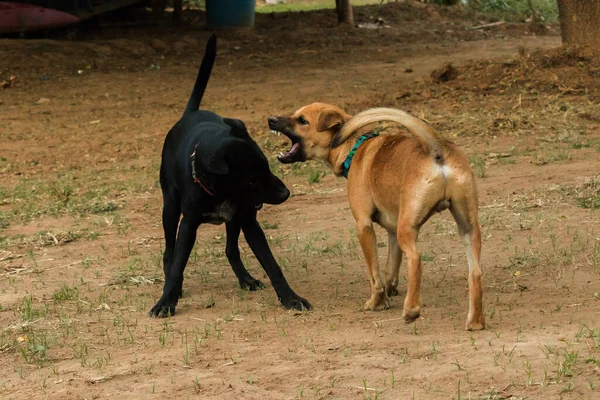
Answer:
(251, 284)
(296, 303)
(161, 310)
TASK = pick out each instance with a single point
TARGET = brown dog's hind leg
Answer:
(464, 211)
(407, 240)
(393, 265)
(368, 242)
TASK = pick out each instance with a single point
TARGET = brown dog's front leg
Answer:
(368, 242)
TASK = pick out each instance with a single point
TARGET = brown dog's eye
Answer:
(302, 121)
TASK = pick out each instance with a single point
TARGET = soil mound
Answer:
(565, 71)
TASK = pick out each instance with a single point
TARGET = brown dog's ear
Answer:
(339, 136)
(328, 119)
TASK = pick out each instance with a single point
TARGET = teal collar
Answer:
(348, 161)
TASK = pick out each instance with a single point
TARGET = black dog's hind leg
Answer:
(186, 237)
(232, 251)
(258, 243)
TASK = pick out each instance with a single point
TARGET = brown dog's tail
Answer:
(427, 136)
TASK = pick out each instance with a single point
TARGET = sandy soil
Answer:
(81, 237)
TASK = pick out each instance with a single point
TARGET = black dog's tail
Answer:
(203, 74)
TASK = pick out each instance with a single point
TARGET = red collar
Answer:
(195, 175)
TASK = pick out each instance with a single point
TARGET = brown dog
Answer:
(398, 181)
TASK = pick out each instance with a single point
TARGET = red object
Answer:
(16, 17)
(9, 83)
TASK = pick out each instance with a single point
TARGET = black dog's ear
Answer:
(208, 155)
(215, 158)
(214, 164)
(238, 127)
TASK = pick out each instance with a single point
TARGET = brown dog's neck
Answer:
(338, 155)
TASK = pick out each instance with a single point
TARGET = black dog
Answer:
(213, 172)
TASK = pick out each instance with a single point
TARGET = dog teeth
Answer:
(278, 133)
(273, 131)
(281, 154)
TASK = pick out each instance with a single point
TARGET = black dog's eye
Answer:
(302, 121)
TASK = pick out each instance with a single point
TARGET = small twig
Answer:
(54, 239)
(16, 271)
(518, 103)
(22, 325)
(497, 23)
(62, 266)
(228, 364)
(495, 205)
(100, 379)
(387, 320)
(440, 281)
(366, 388)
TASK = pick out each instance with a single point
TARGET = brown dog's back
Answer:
(429, 139)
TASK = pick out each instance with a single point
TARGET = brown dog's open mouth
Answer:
(294, 153)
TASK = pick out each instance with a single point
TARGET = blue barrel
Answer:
(229, 13)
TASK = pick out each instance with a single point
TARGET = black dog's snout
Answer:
(285, 194)
(273, 120)
(275, 192)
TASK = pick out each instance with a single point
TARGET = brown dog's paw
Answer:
(411, 314)
(392, 291)
(476, 325)
(378, 303)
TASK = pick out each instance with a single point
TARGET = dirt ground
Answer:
(81, 237)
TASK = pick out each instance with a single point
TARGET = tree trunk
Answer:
(580, 22)
(344, 12)
(178, 12)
